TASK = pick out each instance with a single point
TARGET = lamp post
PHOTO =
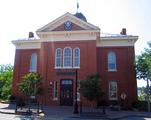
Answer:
(76, 102)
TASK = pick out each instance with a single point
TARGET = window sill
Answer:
(113, 99)
(67, 68)
(55, 99)
(58, 67)
(76, 67)
(33, 71)
(112, 70)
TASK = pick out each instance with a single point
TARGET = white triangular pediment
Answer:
(67, 17)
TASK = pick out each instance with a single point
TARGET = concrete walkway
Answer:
(66, 113)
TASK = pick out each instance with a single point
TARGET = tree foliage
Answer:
(6, 76)
(31, 84)
(143, 64)
(142, 93)
(143, 69)
(91, 88)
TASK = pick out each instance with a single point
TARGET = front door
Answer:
(66, 96)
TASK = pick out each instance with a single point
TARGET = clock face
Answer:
(68, 25)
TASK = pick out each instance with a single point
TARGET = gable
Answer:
(58, 24)
(73, 27)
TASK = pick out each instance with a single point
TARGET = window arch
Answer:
(76, 58)
(33, 63)
(111, 61)
(67, 57)
(58, 58)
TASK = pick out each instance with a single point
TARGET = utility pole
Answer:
(148, 101)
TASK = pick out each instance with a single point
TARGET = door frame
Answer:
(72, 85)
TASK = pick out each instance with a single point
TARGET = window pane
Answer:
(58, 57)
(33, 63)
(55, 94)
(67, 57)
(113, 90)
(111, 66)
(111, 61)
(76, 57)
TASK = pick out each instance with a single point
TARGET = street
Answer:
(17, 117)
(135, 118)
(23, 117)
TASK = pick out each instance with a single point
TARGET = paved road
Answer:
(17, 117)
(22, 117)
(135, 118)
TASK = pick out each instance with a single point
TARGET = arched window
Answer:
(111, 61)
(67, 60)
(58, 58)
(76, 58)
(33, 63)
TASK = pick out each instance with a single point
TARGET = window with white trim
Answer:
(76, 58)
(33, 63)
(58, 58)
(112, 90)
(67, 57)
(111, 61)
(55, 90)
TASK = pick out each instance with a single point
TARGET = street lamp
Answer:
(76, 85)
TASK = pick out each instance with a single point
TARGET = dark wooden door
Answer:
(66, 96)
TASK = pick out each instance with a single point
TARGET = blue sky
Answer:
(18, 17)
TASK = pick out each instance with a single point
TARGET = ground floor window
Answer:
(55, 91)
(112, 90)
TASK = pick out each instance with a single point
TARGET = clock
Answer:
(68, 25)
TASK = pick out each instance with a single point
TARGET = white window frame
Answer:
(114, 91)
(74, 57)
(33, 62)
(55, 90)
(56, 57)
(68, 56)
(112, 57)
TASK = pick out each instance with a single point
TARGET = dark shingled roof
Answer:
(80, 16)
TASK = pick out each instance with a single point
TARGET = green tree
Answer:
(6, 76)
(143, 69)
(143, 64)
(31, 84)
(142, 93)
(91, 88)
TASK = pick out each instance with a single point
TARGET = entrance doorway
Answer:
(66, 96)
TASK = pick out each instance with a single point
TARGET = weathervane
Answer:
(77, 6)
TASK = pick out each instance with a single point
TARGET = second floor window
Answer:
(33, 63)
(58, 57)
(67, 60)
(76, 57)
(111, 61)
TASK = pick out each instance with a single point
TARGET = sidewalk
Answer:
(66, 113)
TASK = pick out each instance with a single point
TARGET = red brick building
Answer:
(70, 43)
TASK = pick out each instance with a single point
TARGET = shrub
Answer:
(140, 105)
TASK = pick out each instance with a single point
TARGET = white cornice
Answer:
(117, 41)
(119, 37)
(101, 42)
(69, 35)
(27, 44)
(72, 32)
